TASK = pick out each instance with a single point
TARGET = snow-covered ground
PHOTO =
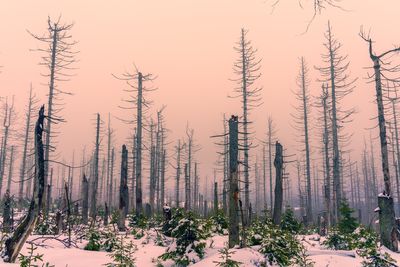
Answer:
(55, 253)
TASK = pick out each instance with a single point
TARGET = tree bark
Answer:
(278, 163)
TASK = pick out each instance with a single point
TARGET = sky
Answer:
(188, 45)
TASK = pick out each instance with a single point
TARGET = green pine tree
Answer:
(347, 223)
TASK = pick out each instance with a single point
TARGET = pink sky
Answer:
(188, 45)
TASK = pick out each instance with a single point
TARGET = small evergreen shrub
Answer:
(219, 222)
(189, 241)
(94, 243)
(122, 255)
(226, 258)
(289, 222)
(32, 260)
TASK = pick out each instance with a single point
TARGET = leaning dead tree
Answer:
(335, 74)
(247, 68)
(58, 57)
(233, 183)
(138, 101)
(387, 224)
(14, 244)
(278, 163)
(301, 124)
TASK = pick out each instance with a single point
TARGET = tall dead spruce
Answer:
(247, 68)
(335, 73)
(138, 101)
(387, 225)
(58, 57)
(14, 244)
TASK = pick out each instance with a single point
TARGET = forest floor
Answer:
(147, 253)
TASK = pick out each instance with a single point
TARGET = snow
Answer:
(148, 252)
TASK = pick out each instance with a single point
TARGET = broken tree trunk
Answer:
(233, 183)
(14, 244)
(123, 190)
(278, 163)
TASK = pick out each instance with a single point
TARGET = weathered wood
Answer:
(233, 183)
(123, 190)
(278, 163)
(85, 199)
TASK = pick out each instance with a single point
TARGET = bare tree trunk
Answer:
(327, 165)
(138, 169)
(162, 193)
(304, 99)
(388, 229)
(107, 196)
(14, 244)
(95, 178)
(187, 188)
(270, 132)
(278, 163)
(110, 200)
(178, 172)
(23, 170)
(85, 199)
(233, 183)
(123, 190)
(6, 123)
(7, 218)
(215, 197)
(396, 130)
(10, 168)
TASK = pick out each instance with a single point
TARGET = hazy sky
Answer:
(188, 45)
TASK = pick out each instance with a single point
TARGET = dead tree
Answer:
(233, 183)
(95, 178)
(25, 147)
(111, 195)
(10, 168)
(14, 244)
(301, 119)
(270, 136)
(178, 148)
(138, 101)
(58, 57)
(8, 118)
(335, 73)
(387, 223)
(278, 163)
(109, 140)
(396, 153)
(7, 216)
(324, 125)
(187, 188)
(123, 190)
(85, 199)
(247, 68)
